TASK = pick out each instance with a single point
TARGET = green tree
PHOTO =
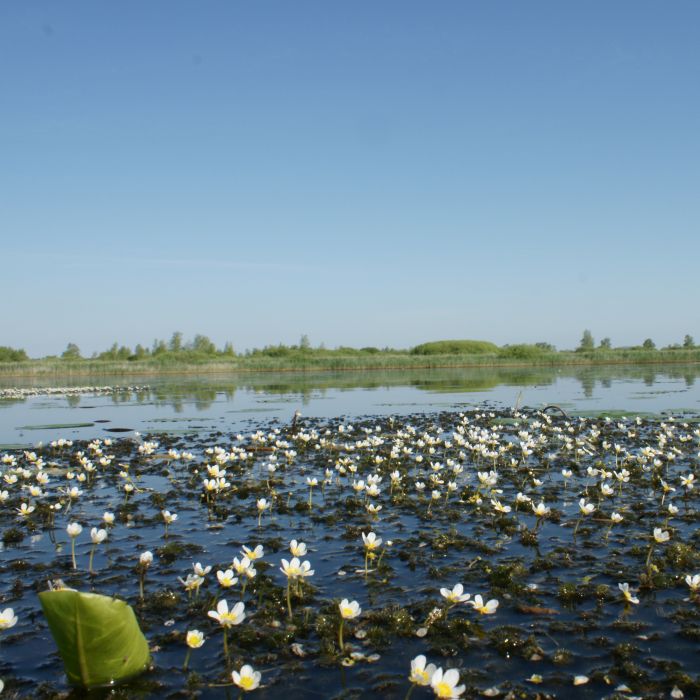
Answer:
(304, 343)
(688, 342)
(201, 344)
(72, 352)
(159, 347)
(8, 354)
(228, 349)
(175, 344)
(605, 344)
(587, 343)
(649, 344)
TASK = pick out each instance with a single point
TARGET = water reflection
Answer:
(226, 399)
(204, 390)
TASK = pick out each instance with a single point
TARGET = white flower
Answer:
(585, 508)
(693, 582)
(627, 593)
(192, 582)
(456, 595)
(247, 679)
(24, 510)
(253, 554)
(200, 570)
(371, 541)
(98, 536)
(194, 639)
(661, 535)
(298, 549)
(484, 608)
(74, 529)
(296, 569)
(226, 578)
(420, 673)
(7, 619)
(444, 684)
(228, 618)
(349, 610)
(540, 510)
(108, 518)
(146, 558)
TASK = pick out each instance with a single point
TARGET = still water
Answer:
(192, 404)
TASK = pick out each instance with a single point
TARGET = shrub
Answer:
(8, 354)
(456, 347)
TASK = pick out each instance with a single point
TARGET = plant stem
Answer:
(289, 599)
(651, 549)
(228, 663)
(92, 554)
(340, 635)
(72, 551)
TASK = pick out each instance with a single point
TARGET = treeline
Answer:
(587, 344)
(201, 349)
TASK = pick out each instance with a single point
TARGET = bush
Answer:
(11, 355)
(522, 351)
(456, 347)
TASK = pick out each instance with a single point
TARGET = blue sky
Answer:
(366, 173)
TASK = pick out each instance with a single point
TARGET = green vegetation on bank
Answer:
(202, 355)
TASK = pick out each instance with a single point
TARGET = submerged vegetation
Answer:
(447, 555)
(201, 355)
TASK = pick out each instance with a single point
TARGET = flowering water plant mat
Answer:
(483, 553)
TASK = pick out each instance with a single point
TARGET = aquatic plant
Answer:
(73, 530)
(227, 618)
(348, 611)
(97, 636)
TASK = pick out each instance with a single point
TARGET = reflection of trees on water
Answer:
(648, 374)
(588, 385)
(179, 391)
(203, 391)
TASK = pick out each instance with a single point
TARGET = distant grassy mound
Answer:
(456, 347)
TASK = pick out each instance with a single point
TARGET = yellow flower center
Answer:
(247, 682)
(443, 690)
(421, 677)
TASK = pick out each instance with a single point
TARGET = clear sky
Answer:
(367, 173)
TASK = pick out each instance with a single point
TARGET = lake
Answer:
(458, 473)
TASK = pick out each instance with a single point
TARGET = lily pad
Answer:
(98, 637)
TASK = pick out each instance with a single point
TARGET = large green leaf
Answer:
(98, 637)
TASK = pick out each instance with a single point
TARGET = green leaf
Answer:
(98, 637)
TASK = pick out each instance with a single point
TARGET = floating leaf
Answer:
(98, 637)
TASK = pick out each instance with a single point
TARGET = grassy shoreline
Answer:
(339, 363)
